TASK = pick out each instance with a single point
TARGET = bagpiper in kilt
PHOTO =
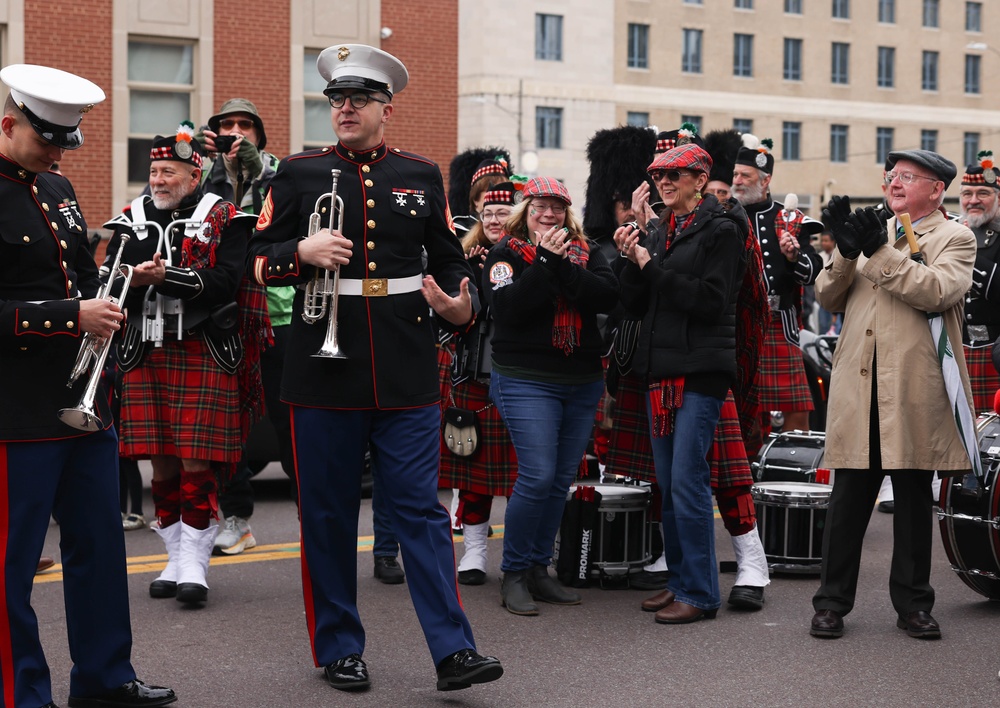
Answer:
(979, 199)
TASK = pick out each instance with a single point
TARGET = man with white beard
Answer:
(979, 198)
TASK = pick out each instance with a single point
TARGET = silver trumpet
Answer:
(93, 353)
(323, 291)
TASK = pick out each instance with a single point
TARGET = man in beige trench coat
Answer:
(888, 410)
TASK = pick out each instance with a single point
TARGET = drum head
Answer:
(791, 457)
(784, 493)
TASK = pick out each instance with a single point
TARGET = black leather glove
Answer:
(869, 224)
(837, 217)
(981, 274)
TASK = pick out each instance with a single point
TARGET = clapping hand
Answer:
(871, 226)
(837, 217)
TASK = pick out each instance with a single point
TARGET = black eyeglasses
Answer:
(358, 100)
(672, 175)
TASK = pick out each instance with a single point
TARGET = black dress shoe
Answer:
(191, 593)
(348, 674)
(162, 588)
(747, 597)
(471, 577)
(387, 570)
(466, 667)
(920, 624)
(827, 624)
(133, 694)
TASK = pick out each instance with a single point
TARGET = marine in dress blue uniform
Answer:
(46, 467)
(385, 393)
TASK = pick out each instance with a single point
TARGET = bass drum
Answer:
(969, 516)
(795, 456)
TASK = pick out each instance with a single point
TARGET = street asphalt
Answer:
(248, 646)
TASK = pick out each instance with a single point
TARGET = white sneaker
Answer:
(234, 538)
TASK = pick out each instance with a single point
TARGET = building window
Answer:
(638, 46)
(548, 127)
(883, 144)
(693, 120)
(318, 129)
(793, 7)
(973, 17)
(743, 125)
(970, 148)
(691, 52)
(548, 37)
(742, 55)
(793, 60)
(791, 136)
(842, 9)
(838, 143)
(692, 2)
(887, 11)
(886, 67)
(638, 119)
(840, 63)
(743, 4)
(161, 84)
(973, 67)
(929, 140)
(929, 72)
(932, 12)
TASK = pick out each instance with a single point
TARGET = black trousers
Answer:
(851, 505)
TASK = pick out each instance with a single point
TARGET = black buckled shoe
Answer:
(466, 667)
(348, 674)
(134, 694)
(920, 624)
(747, 597)
(387, 570)
(827, 624)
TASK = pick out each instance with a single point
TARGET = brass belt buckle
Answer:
(375, 287)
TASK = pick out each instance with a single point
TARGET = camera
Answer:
(224, 143)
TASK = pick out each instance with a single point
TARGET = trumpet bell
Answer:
(329, 351)
(81, 418)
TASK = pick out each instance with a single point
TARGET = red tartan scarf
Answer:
(567, 323)
(667, 395)
(255, 325)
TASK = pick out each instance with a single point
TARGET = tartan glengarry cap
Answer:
(942, 168)
(982, 172)
(359, 66)
(495, 166)
(53, 101)
(687, 133)
(180, 147)
(547, 187)
(684, 157)
(503, 194)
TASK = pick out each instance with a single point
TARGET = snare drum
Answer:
(791, 517)
(622, 535)
(969, 516)
(792, 457)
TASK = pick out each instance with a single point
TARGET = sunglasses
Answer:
(672, 175)
(230, 123)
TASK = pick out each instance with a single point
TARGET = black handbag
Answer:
(461, 431)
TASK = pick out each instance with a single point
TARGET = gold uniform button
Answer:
(24, 324)
(420, 319)
(322, 210)
(69, 284)
(366, 168)
(47, 324)
(70, 324)
(34, 189)
(279, 269)
(64, 244)
(369, 183)
(413, 212)
(45, 206)
(55, 226)
(64, 264)
(22, 174)
(27, 239)
(371, 266)
(370, 203)
(371, 245)
(371, 223)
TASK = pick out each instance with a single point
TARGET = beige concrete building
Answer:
(835, 83)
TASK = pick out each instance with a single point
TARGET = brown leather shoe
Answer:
(682, 613)
(827, 624)
(658, 601)
(920, 624)
(44, 563)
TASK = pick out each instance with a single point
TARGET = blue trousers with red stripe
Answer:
(329, 459)
(77, 479)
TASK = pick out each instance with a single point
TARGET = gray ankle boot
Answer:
(514, 594)
(544, 587)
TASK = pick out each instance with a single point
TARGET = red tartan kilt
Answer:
(983, 377)
(492, 469)
(781, 378)
(630, 454)
(178, 402)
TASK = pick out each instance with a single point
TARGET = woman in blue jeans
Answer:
(545, 286)
(684, 280)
